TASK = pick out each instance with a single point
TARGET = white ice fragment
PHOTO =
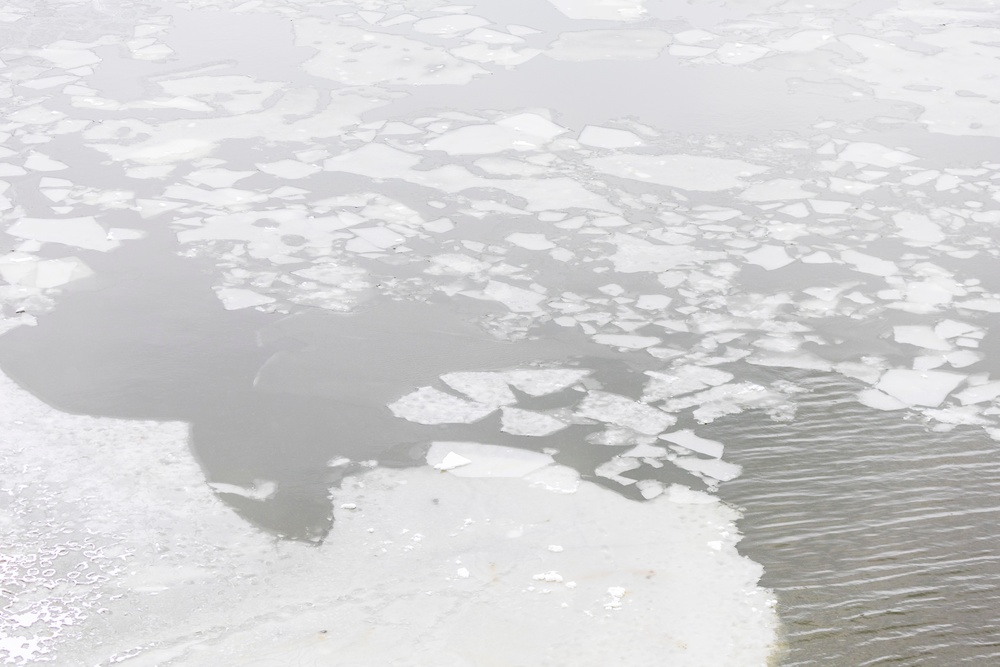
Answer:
(612, 470)
(526, 422)
(623, 411)
(555, 478)
(432, 406)
(601, 10)
(462, 573)
(988, 305)
(551, 576)
(926, 388)
(82, 232)
(636, 255)
(289, 169)
(259, 490)
(627, 341)
(451, 461)
(714, 468)
(530, 241)
(952, 328)
(650, 488)
(917, 227)
(555, 548)
(688, 172)
(533, 124)
(769, 257)
(869, 264)
(487, 460)
(517, 299)
(653, 301)
(875, 154)
(879, 400)
(607, 137)
(776, 189)
(686, 438)
(348, 506)
(236, 298)
(921, 336)
(39, 162)
(546, 381)
(449, 25)
(979, 393)
(484, 387)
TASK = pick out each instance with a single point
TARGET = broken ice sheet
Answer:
(623, 411)
(925, 388)
(433, 406)
(526, 422)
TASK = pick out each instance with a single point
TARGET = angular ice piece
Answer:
(260, 490)
(979, 393)
(432, 406)
(921, 336)
(289, 169)
(645, 451)
(533, 124)
(525, 422)
(623, 411)
(619, 45)
(927, 388)
(487, 388)
(557, 478)
(769, 257)
(987, 305)
(650, 488)
(607, 137)
(879, 400)
(612, 470)
(487, 460)
(777, 189)
(451, 461)
(682, 380)
(653, 301)
(517, 299)
(531, 241)
(875, 154)
(83, 232)
(687, 172)
(918, 227)
(627, 341)
(636, 255)
(544, 381)
(714, 468)
(868, 264)
(235, 298)
(953, 328)
(449, 25)
(601, 10)
(686, 438)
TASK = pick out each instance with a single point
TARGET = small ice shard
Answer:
(432, 406)
(612, 470)
(686, 438)
(555, 548)
(623, 411)
(606, 137)
(236, 298)
(487, 460)
(349, 506)
(926, 388)
(650, 488)
(616, 593)
(259, 490)
(452, 461)
(769, 257)
(551, 576)
(462, 573)
(525, 422)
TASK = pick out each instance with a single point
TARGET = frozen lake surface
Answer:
(557, 333)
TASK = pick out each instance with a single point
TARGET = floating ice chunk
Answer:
(682, 380)
(623, 411)
(451, 461)
(979, 393)
(550, 576)
(727, 399)
(432, 406)
(544, 381)
(880, 400)
(462, 572)
(690, 51)
(868, 264)
(921, 336)
(487, 388)
(39, 162)
(601, 10)
(483, 139)
(952, 328)
(918, 227)
(818, 257)
(733, 53)
(653, 301)
(769, 257)
(289, 169)
(606, 137)
(67, 55)
(530, 241)
(714, 468)
(875, 154)
(688, 172)
(83, 232)
(777, 189)
(260, 490)
(449, 25)
(382, 238)
(586, 45)
(487, 460)
(555, 478)
(525, 422)
(627, 341)
(517, 299)
(612, 470)
(236, 298)
(926, 388)
(217, 178)
(534, 125)
(987, 305)
(686, 438)
(646, 451)
(636, 255)
(650, 488)
(44, 274)
(361, 58)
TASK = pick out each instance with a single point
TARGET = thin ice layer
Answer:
(152, 539)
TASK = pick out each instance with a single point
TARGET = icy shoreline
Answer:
(118, 552)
